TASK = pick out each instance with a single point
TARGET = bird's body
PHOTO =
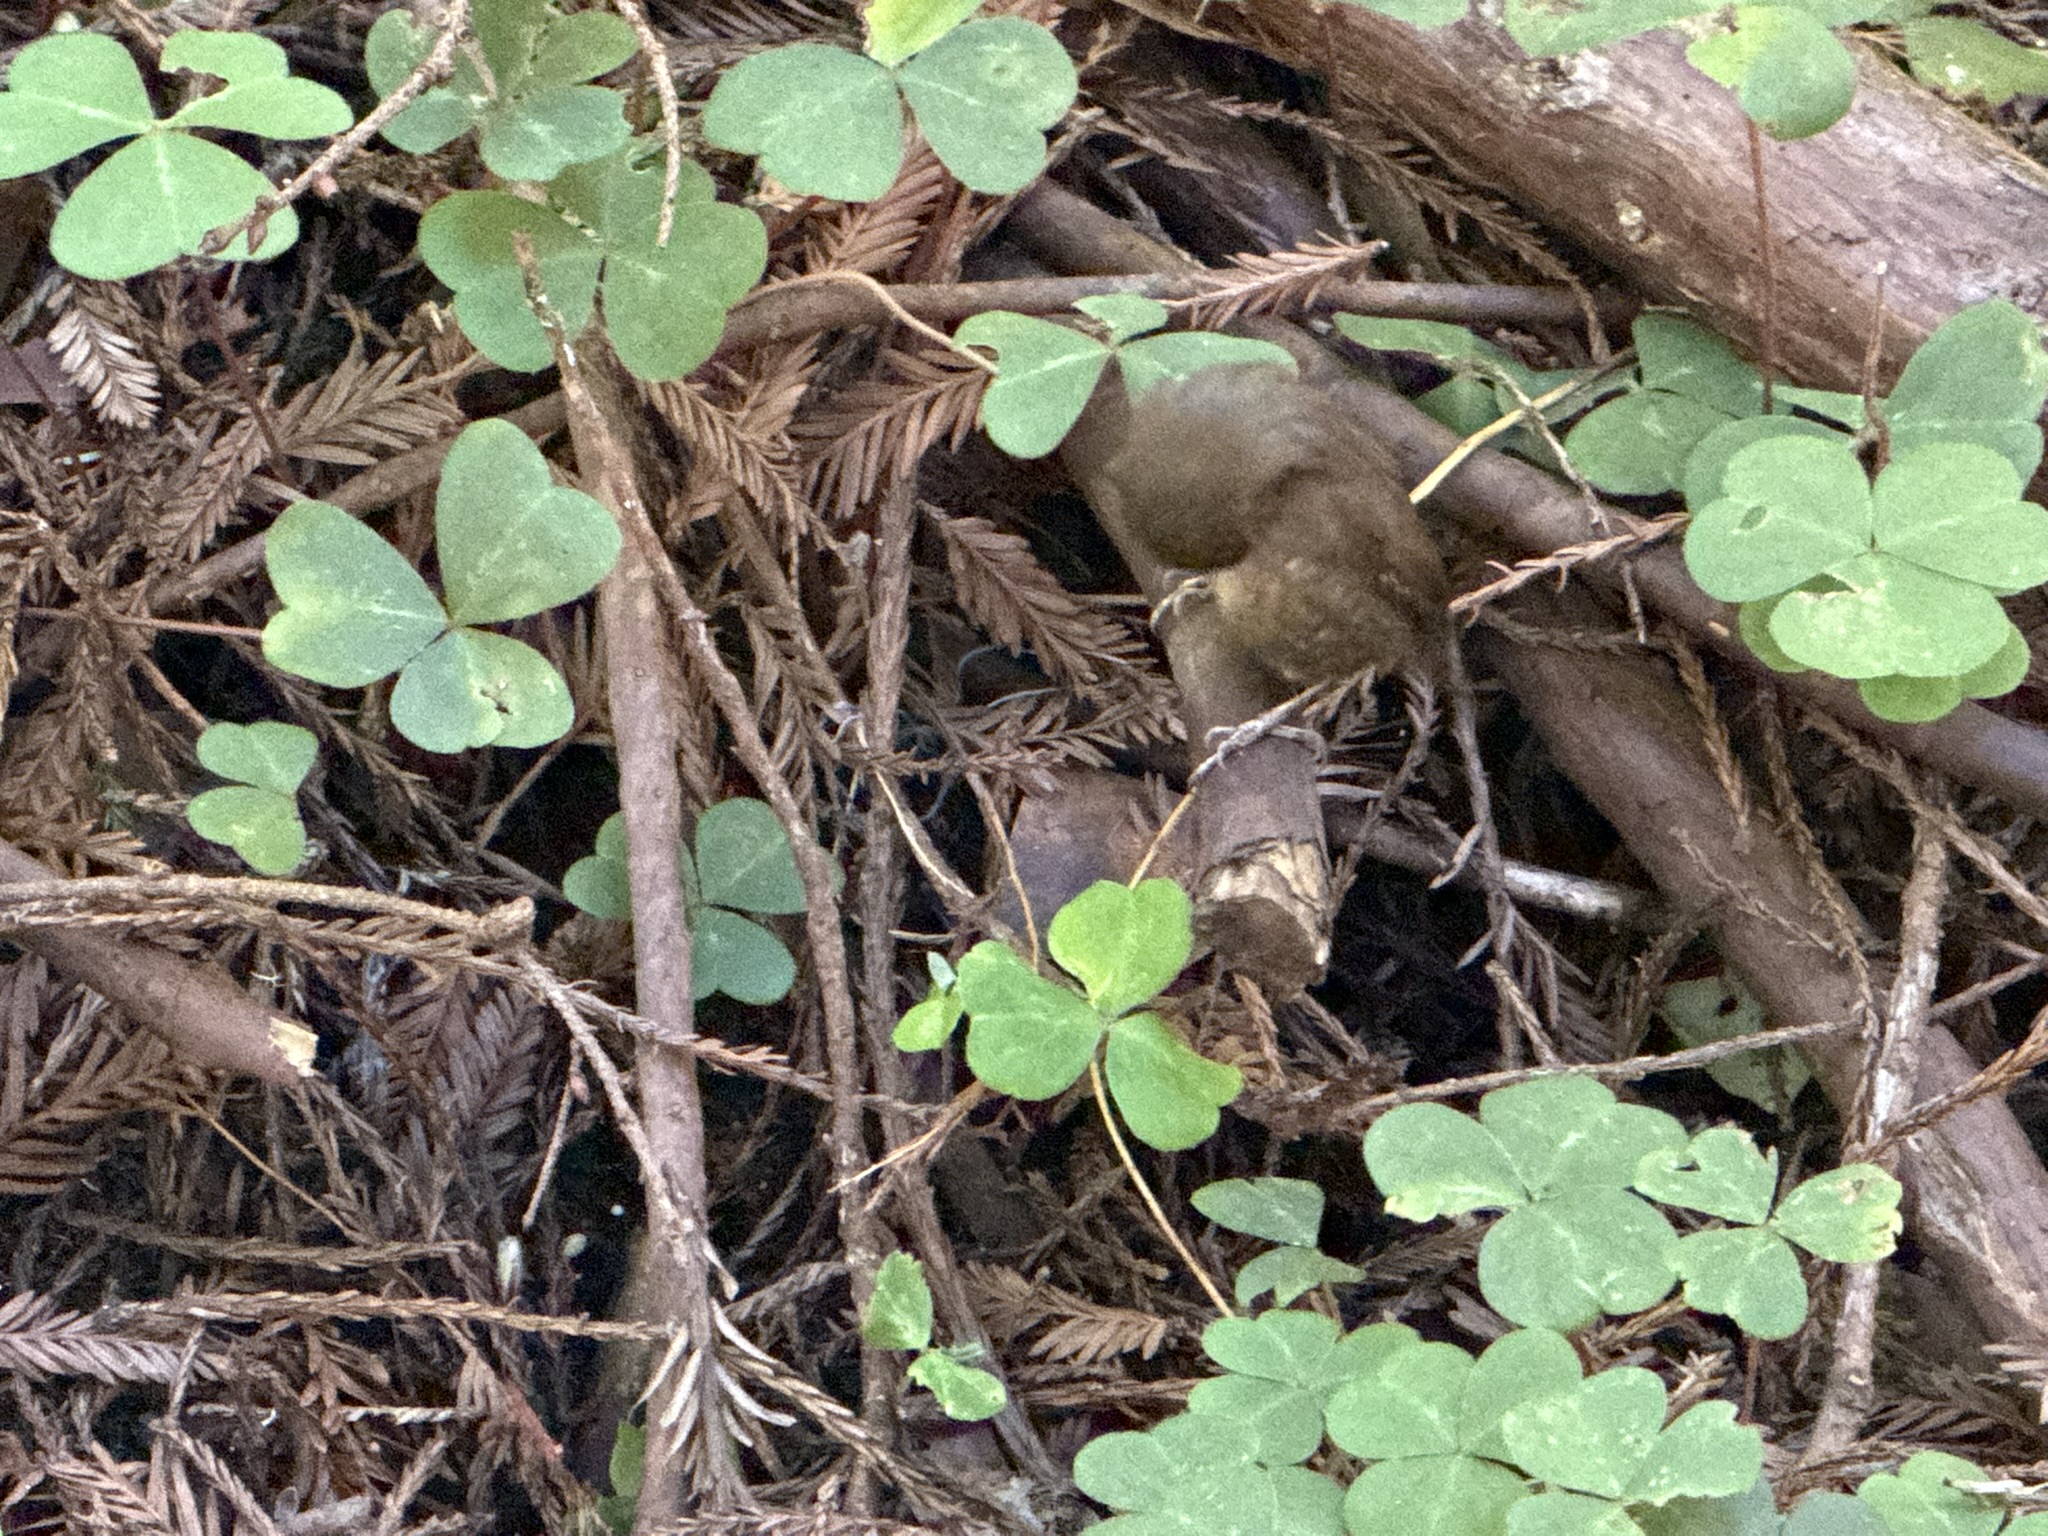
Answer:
(1315, 560)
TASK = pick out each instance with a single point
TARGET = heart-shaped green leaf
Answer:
(512, 542)
(1877, 614)
(1124, 945)
(1593, 1438)
(1792, 506)
(740, 958)
(1279, 1210)
(1747, 1273)
(743, 858)
(1046, 374)
(1984, 369)
(1561, 1262)
(1683, 357)
(984, 94)
(1956, 508)
(259, 97)
(67, 93)
(466, 241)
(354, 611)
(1026, 1036)
(1848, 1215)
(1706, 467)
(1429, 1161)
(1791, 74)
(1720, 1172)
(1638, 445)
(1289, 1347)
(1168, 1092)
(268, 754)
(261, 825)
(472, 688)
(157, 199)
(823, 121)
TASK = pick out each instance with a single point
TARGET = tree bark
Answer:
(1645, 162)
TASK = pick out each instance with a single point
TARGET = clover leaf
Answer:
(1045, 373)
(1720, 1171)
(1033, 1038)
(829, 123)
(1279, 1210)
(1966, 58)
(1746, 1273)
(158, 198)
(1849, 1215)
(1791, 74)
(258, 815)
(1791, 508)
(1123, 945)
(899, 1313)
(534, 116)
(664, 305)
(1171, 1094)
(743, 861)
(1026, 1036)
(510, 544)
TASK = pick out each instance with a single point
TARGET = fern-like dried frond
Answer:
(874, 237)
(1257, 284)
(365, 410)
(1004, 589)
(728, 455)
(876, 429)
(1083, 1332)
(196, 500)
(93, 342)
(38, 1338)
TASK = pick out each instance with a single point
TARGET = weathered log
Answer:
(1645, 162)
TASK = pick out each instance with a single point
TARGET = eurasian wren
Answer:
(1315, 559)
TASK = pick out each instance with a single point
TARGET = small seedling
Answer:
(743, 864)
(828, 122)
(511, 543)
(1283, 1211)
(258, 814)
(1032, 1038)
(156, 199)
(1046, 372)
(899, 1316)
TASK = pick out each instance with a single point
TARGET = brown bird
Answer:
(1293, 512)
